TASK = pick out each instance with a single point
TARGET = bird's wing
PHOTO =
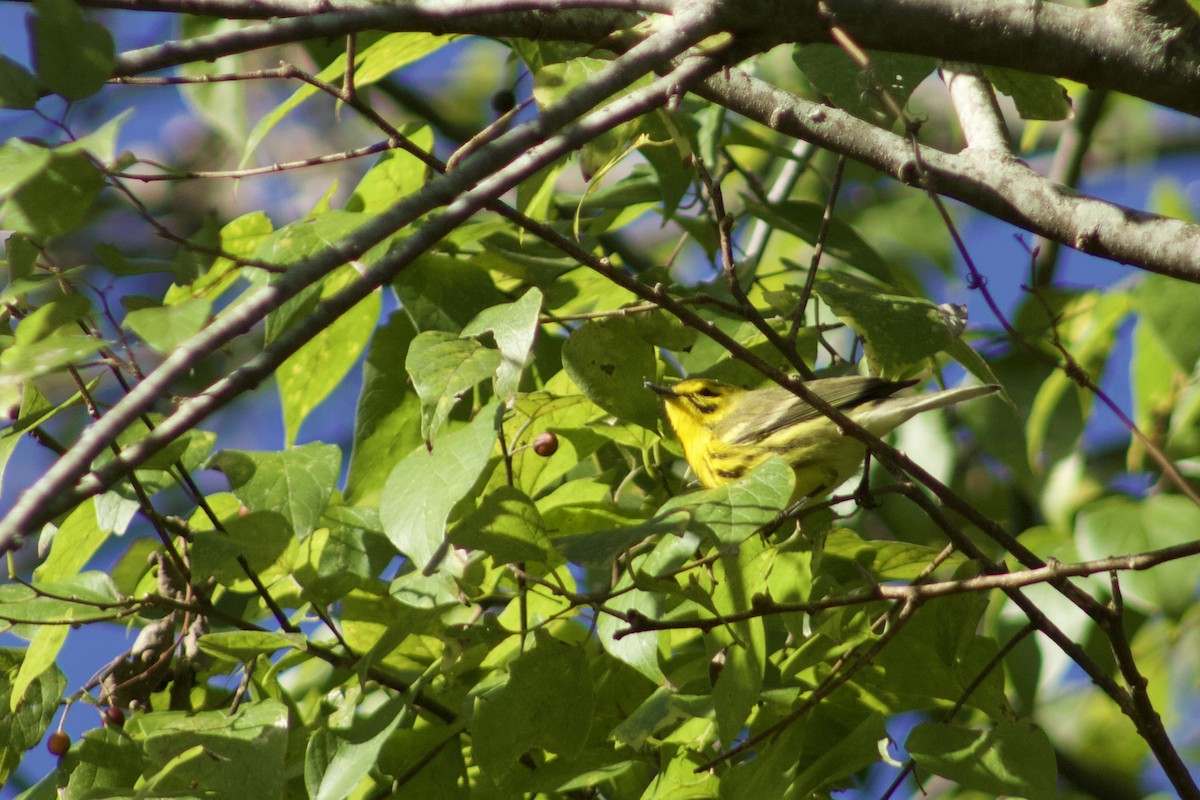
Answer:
(764, 412)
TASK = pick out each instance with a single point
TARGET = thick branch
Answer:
(1149, 50)
(447, 13)
(1146, 50)
(1003, 187)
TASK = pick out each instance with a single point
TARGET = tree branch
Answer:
(1123, 46)
(1001, 186)
(920, 592)
(975, 104)
(297, 25)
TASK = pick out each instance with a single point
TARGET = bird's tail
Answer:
(887, 414)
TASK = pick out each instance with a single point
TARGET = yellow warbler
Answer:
(727, 430)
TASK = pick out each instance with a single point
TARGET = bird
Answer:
(728, 430)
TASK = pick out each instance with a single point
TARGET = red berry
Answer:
(114, 716)
(58, 743)
(545, 444)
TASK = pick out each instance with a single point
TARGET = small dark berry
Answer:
(114, 716)
(545, 444)
(503, 101)
(58, 743)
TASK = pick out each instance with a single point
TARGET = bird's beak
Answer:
(661, 391)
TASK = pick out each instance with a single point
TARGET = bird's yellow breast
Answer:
(695, 437)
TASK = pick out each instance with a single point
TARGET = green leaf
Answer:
(526, 259)
(803, 219)
(371, 65)
(28, 718)
(663, 707)
(50, 196)
(40, 657)
(1089, 332)
(296, 482)
(190, 449)
(711, 360)
(423, 488)
(346, 555)
(22, 362)
(222, 105)
(1036, 96)
(804, 760)
(769, 775)
(735, 511)
(295, 242)
(73, 545)
(444, 293)
(101, 143)
(9, 438)
(437, 771)
(18, 89)
(115, 511)
(1163, 305)
(337, 760)
(846, 754)
(591, 543)
(670, 166)
(164, 328)
(506, 526)
(105, 759)
(443, 367)
(73, 57)
(1013, 758)
(898, 332)
(739, 576)
(246, 645)
(1163, 356)
(20, 162)
(240, 237)
(570, 418)
(397, 174)
(638, 650)
(263, 538)
(87, 596)
(236, 751)
(848, 556)
(582, 290)
(1116, 526)
(940, 656)
(535, 194)
(310, 374)
(684, 775)
(964, 354)
(22, 255)
(513, 325)
(386, 423)
(594, 767)
(611, 363)
(547, 703)
(838, 77)
(49, 318)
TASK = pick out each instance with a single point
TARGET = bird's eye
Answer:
(707, 392)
